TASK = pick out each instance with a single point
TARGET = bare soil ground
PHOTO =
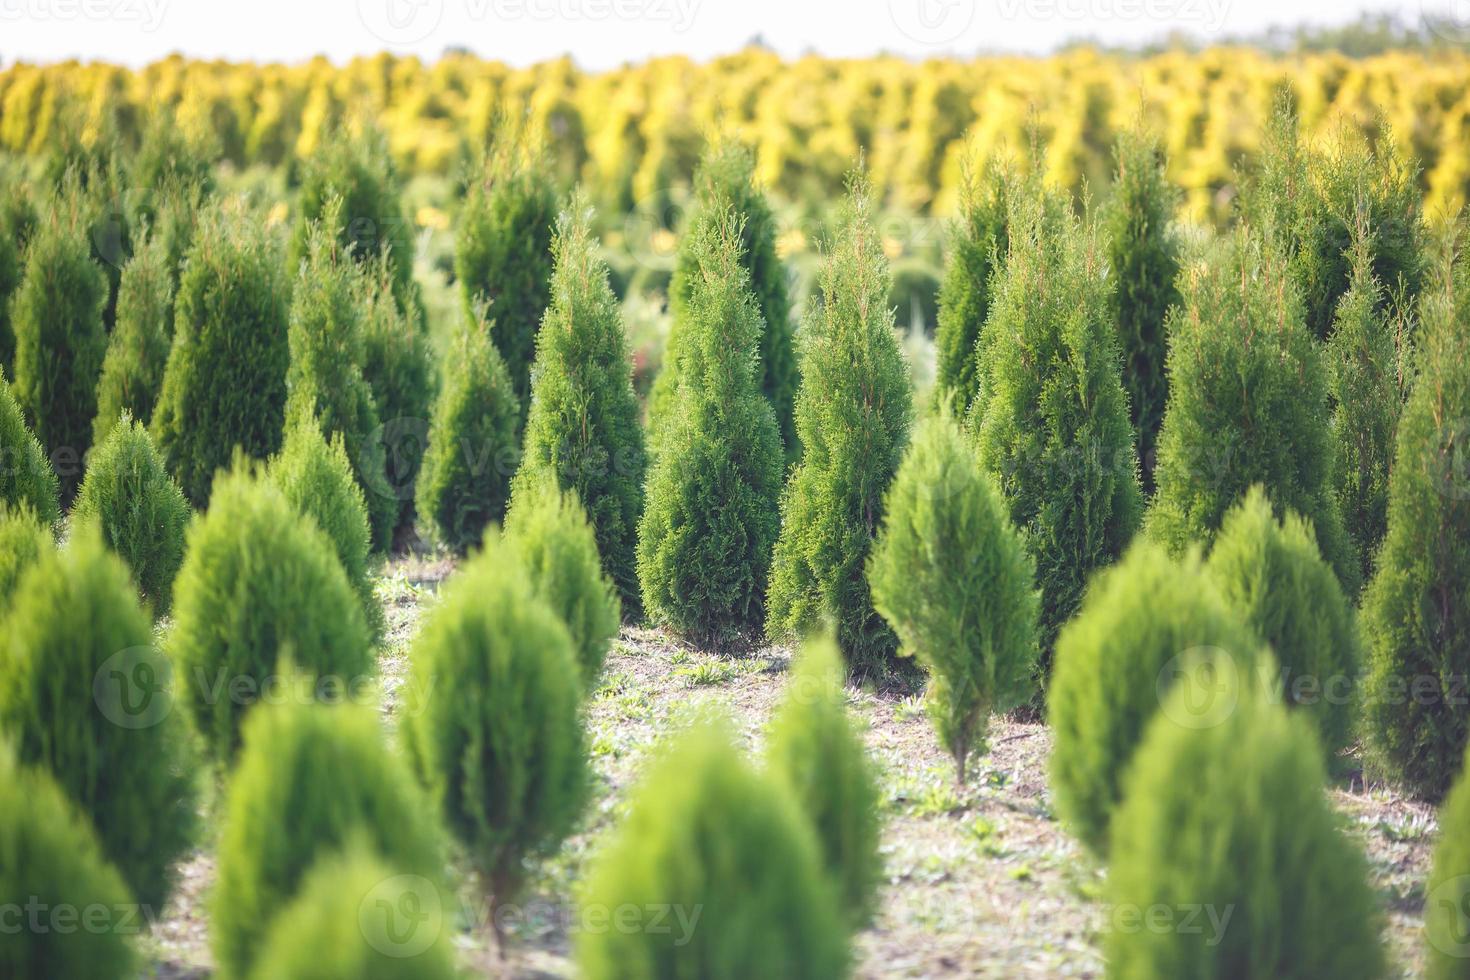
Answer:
(980, 881)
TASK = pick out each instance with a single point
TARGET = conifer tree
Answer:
(583, 425)
(26, 477)
(132, 370)
(10, 269)
(713, 510)
(1447, 893)
(23, 541)
(852, 418)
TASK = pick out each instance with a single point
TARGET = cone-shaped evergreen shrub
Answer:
(1274, 579)
(492, 721)
(714, 489)
(1228, 823)
(313, 780)
(464, 484)
(503, 252)
(1051, 425)
(317, 479)
(549, 531)
(1448, 890)
(49, 855)
(728, 853)
(224, 386)
(1416, 611)
(325, 380)
(59, 339)
(977, 250)
(1143, 258)
(583, 423)
(23, 541)
(70, 698)
(259, 582)
(1247, 405)
(1141, 622)
(132, 370)
(725, 181)
(954, 580)
(140, 511)
(355, 916)
(26, 476)
(813, 746)
(852, 417)
(10, 269)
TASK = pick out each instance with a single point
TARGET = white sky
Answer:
(604, 33)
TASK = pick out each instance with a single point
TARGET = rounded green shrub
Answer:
(712, 514)
(23, 542)
(132, 370)
(49, 855)
(1272, 577)
(1051, 422)
(492, 722)
(140, 511)
(354, 916)
(1139, 626)
(727, 859)
(1247, 405)
(852, 418)
(552, 538)
(813, 746)
(224, 385)
(259, 582)
(316, 477)
(953, 578)
(583, 425)
(85, 697)
(26, 476)
(56, 314)
(1228, 824)
(313, 780)
(1447, 893)
(464, 484)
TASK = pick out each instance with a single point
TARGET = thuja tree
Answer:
(10, 268)
(1052, 428)
(224, 385)
(60, 341)
(583, 427)
(713, 511)
(1143, 257)
(1448, 890)
(503, 251)
(23, 541)
(137, 350)
(26, 477)
(725, 181)
(1247, 405)
(852, 417)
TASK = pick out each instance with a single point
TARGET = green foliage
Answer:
(224, 386)
(26, 477)
(1447, 894)
(555, 544)
(1132, 641)
(583, 423)
(259, 582)
(1416, 610)
(316, 477)
(56, 314)
(76, 640)
(11, 252)
(813, 746)
(49, 855)
(313, 781)
(729, 853)
(1051, 423)
(725, 182)
(132, 370)
(325, 381)
(503, 252)
(954, 580)
(140, 511)
(492, 721)
(24, 540)
(464, 483)
(355, 917)
(1143, 258)
(712, 516)
(1247, 405)
(1230, 819)
(852, 418)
